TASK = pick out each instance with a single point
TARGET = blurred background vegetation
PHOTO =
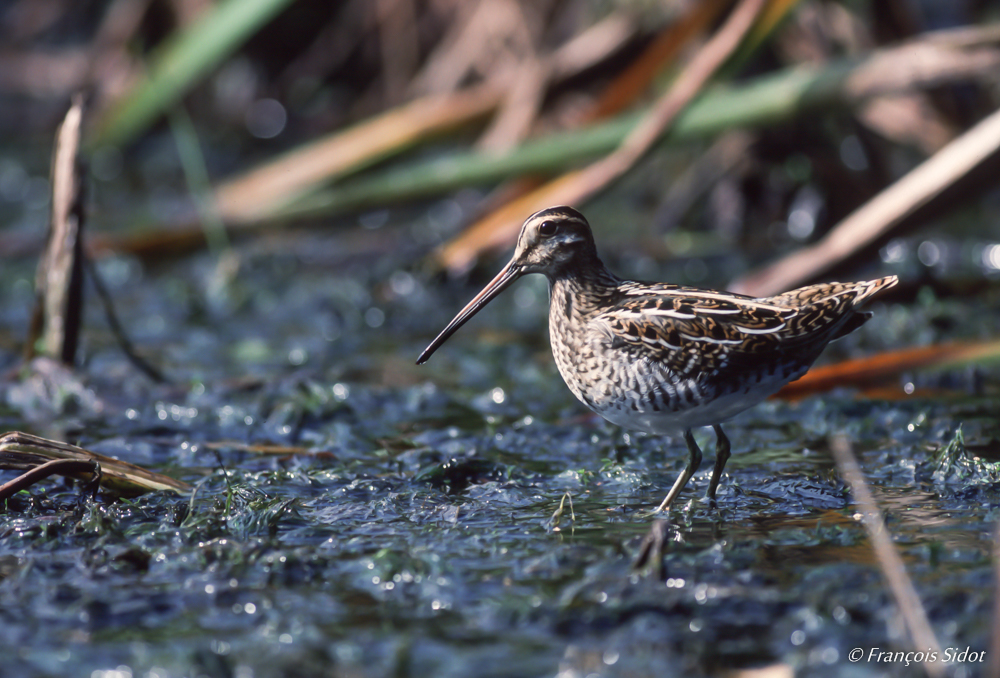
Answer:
(255, 115)
(287, 199)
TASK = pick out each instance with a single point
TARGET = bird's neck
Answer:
(581, 290)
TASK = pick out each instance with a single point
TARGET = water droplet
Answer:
(374, 317)
(373, 220)
(266, 118)
(801, 224)
(929, 253)
(402, 283)
(852, 154)
(991, 257)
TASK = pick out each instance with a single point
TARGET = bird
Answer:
(663, 358)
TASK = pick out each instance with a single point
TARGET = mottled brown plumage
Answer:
(664, 358)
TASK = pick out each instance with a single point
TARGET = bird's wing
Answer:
(688, 330)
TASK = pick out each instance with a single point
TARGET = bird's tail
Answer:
(817, 294)
(870, 288)
(864, 291)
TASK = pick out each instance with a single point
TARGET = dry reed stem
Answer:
(908, 603)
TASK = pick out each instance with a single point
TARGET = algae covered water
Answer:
(357, 515)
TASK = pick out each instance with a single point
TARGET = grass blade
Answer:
(181, 61)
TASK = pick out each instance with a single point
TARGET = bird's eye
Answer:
(547, 228)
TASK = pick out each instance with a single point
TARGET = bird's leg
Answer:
(721, 457)
(651, 549)
(693, 463)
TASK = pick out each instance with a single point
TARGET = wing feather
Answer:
(688, 330)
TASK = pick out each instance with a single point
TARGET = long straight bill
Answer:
(505, 277)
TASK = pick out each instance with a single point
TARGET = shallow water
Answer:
(357, 515)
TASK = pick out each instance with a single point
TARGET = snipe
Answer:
(664, 358)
